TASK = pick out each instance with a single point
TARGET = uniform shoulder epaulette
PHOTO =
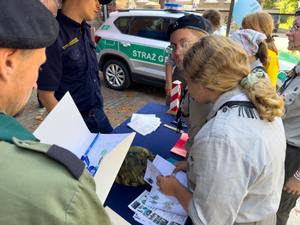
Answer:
(68, 159)
(74, 165)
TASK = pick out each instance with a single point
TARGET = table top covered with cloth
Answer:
(158, 142)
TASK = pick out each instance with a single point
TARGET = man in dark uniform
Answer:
(72, 65)
(40, 184)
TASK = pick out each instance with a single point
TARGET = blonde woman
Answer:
(236, 165)
(263, 22)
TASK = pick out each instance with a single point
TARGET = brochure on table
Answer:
(65, 127)
(150, 215)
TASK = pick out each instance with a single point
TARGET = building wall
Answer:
(215, 4)
(52, 5)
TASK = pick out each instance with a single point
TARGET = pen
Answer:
(173, 128)
(85, 158)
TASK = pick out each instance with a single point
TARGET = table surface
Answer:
(158, 142)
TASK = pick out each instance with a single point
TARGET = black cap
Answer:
(26, 24)
(193, 22)
(297, 13)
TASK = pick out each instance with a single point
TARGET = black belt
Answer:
(89, 113)
(292, 147)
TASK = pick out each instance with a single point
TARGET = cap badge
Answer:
(175, 24)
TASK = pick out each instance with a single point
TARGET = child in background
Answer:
(254, 44)
(263, 23)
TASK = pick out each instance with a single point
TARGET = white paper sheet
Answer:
(144, 123)
(102, 147)
(63, 126)
(166, 168)
(151, 173)
(137, 115)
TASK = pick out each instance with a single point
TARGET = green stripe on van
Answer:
(288, 57)
(106, 44)
(144, 53)
(133, 51)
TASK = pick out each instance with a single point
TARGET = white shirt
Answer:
(236, 166)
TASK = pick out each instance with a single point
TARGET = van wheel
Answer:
(116, 74)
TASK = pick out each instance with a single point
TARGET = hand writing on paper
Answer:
(292, 186)
(180, 166)
(167, 184)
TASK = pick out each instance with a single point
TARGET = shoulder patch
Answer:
(68, 159)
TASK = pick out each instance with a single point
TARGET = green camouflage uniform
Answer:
(133, 169)
(43, 184)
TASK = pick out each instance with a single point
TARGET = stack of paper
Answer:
(157, 198)
(144, 123)
(153, 216)
(154, 207)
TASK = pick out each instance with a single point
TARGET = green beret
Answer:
(191, 21)
(26, 24)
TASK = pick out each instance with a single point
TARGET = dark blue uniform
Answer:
(72, 66)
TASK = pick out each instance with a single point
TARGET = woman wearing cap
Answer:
(255, 47)
(290, 92)
(183, 33)
(263, 22)
(235, 167)
(199, 27)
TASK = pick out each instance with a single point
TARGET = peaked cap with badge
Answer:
(26, 25)
(191, 21)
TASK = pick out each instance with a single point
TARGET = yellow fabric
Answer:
(273, 68)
